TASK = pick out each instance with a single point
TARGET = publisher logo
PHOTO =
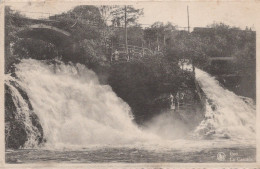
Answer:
(221, 156)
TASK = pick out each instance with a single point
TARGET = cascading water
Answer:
(229, 115)
(23, 113)
(75, 110)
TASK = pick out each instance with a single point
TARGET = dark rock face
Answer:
(148, 94)
(15, 129)
(189, 105)
(15, 134)
(191, 108)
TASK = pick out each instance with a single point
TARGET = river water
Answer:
(84, 121)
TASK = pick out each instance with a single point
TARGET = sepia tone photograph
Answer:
(148, 82)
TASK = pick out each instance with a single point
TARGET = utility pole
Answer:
(164, 40)
(126, 47)
(192, 62)
(158, 45)
(112, 49)
(142, 48)
(188, 19)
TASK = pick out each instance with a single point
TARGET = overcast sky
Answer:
(239, 14)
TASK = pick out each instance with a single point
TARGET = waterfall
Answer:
(73, 108)
(227, 115)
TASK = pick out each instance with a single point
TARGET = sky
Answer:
(240, 14)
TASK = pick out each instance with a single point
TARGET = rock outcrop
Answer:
(16, 129)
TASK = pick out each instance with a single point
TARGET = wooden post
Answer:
(112, 50)
(158, 47)
(188, 19)
(142, 48)
(164, 39)
(126, 47)
(193, 67)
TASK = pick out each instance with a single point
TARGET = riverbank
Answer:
(131, 155)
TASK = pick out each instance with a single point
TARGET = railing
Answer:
(131, 53)
(136, 48)
(221, 58)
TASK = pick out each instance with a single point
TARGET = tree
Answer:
(83, 22)
(105, 11)
(128, 15)
(156, 35)
(88, 30)
(119, 12)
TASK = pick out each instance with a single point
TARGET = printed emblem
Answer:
(221, 156)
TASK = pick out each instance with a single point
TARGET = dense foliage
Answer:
(220, 40)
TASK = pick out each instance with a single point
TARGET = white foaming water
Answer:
(230, 116)
(76, 111)
(23, 113)
(73, 108)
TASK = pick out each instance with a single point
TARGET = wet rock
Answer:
(15, 129)
(16, 135)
